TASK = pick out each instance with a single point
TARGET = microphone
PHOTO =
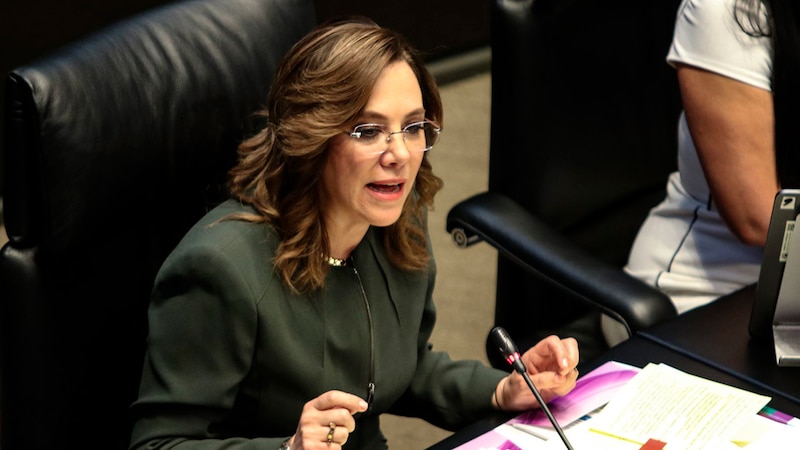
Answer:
(508, 349)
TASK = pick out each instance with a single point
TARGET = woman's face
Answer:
(360, 188)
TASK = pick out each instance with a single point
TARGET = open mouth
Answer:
(385, 188)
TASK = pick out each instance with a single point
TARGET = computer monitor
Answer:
(776, 252)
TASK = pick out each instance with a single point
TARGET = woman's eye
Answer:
(370, 132)
(414, 128)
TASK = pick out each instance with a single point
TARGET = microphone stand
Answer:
(509, 351)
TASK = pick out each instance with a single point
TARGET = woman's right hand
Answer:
(327, 421)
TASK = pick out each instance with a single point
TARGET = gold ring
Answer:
(331, 430)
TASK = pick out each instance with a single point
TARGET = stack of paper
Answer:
(621, 407)
(684, 411)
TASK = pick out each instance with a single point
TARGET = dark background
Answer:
(30, 29)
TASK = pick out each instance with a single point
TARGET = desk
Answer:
(640, 350)
(716, 334)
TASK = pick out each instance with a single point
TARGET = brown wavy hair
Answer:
(321, 87)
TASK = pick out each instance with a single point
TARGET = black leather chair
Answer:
(583, 136)
(114, 147)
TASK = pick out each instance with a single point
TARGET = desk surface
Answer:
(718, 348)
(717, 335)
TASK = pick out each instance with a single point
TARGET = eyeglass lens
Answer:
(418, 136)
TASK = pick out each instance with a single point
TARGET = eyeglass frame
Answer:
(356, 135)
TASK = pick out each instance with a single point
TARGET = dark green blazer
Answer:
(233, 355)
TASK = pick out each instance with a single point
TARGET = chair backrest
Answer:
(114, 146)
(584, 119)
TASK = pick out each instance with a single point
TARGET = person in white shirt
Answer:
(706, 238)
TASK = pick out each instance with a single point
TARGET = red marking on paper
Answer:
(653, 444)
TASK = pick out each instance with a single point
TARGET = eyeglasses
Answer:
(372, 138)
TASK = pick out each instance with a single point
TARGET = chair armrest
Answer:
(539, 249)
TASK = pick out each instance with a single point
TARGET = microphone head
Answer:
(503, 342)
(507, 348)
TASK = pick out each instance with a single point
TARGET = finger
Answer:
(550, 354)
(571, 354)
(564, 352)
(555, 381)
(331, 433)
(569, 383)
(346, 421)
(338, 416)
(336, 434)
(338, 399)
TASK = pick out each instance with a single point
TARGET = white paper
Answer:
(683, 410)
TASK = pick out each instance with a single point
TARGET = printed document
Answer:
(677, 408)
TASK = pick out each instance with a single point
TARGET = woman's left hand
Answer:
(551, 366)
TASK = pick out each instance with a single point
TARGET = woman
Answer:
(296, 313)
(706, 238)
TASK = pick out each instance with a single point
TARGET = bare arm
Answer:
(732, 125)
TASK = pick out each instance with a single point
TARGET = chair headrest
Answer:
(147, 110)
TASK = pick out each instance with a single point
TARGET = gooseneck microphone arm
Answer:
(509, 351)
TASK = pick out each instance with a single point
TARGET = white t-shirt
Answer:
(684, 247)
